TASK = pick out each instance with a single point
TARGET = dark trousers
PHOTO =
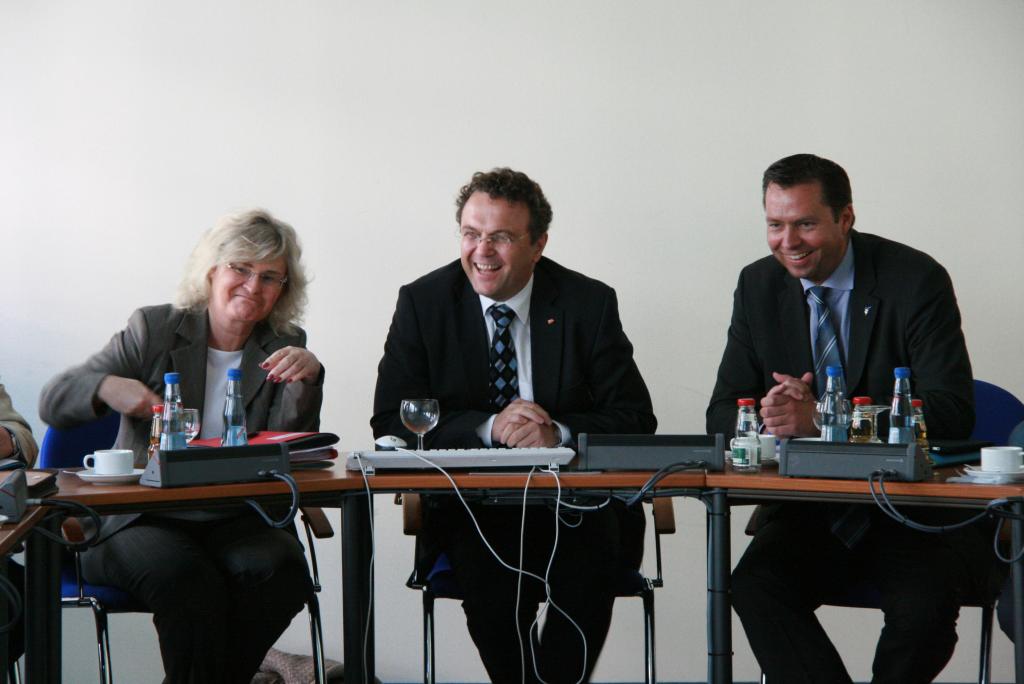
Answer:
(592, 549)
(794, 565)
(221, 591)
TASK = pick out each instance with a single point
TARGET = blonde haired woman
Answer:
(222, 585)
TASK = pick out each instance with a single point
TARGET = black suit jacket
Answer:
(903, 312)
(583, 370)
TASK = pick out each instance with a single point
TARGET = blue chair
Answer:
(997, 412)
(66, 449)
(440, 582)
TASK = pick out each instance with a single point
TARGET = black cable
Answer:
(661, 474)
(73, 506)
(14, 598)
(993, 509)
(887, 507)
(290, 516)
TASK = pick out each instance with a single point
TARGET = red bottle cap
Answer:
(158, 408)
(861, 401)
(916, 403)
(744, 402)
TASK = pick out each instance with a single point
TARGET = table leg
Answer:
(719, 604)
(1017, 586)
(5, 616)
(357, 588)
(42, 606)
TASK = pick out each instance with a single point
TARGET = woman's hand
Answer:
(127, 396)
(290, 364)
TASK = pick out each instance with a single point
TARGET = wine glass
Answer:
(420, 416)
(190, 423)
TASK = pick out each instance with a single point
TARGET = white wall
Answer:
(126, 128)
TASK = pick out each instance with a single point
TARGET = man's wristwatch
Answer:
(15, 447)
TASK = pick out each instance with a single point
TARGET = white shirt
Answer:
(520, 331)
(217, 364)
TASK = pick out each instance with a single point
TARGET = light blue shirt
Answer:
(839, 284)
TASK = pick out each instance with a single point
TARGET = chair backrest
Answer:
(1017, 436)
(66, 448)
(997, 412)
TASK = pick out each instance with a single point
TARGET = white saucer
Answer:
(90, 476)
(979, 474)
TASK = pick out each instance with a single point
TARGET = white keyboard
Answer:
(480, 459)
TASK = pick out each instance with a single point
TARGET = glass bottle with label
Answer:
(746, 446)
(920, 429)
(154, 430)
(862, 424)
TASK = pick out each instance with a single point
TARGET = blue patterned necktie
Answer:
(504, 375)
(826, 344)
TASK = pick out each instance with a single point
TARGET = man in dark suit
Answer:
(521, 352)
(881, 304)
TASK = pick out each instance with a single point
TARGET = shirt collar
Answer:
(841, 278)
(519, 302)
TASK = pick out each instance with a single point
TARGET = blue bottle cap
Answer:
(234, 373)
(833, 371)
(171, 378)
(901, 372)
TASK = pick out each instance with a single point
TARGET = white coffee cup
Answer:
(1002, 459)
(110, 461)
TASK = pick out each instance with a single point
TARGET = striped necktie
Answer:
(826, 343)
(504, 373)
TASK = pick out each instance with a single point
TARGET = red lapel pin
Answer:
(551, 321)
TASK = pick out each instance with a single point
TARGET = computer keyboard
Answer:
(478, 459)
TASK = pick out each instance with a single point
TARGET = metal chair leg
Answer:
(316, 635)
(14, 672)
(650, 677)
(985, 651)
(99, 614)
(428, 636)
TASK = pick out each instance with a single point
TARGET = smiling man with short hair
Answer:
(866, 304)
(521, 352)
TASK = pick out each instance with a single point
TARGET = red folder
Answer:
(302, 446)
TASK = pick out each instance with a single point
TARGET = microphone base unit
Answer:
(853, 461)
(215, 465)
(648, 452)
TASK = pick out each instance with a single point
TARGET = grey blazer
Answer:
(12, 420)
(163, 338)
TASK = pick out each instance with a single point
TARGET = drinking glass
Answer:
(190, 423)
(420, 416)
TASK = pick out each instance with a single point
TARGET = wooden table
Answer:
(768, 484)
(11, 536)
(336, 487)
(357, 545)
(319, 487)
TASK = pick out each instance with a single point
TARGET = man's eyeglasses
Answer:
(268, 279)
(498, 240)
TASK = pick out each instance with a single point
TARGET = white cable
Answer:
(521, 571)
(547, 589)
(373, 555)
(518, 581)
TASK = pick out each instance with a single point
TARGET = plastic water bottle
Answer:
(746, 446)
(835, 411)
(862, 425)
(901, 415)
(234, 411)
(172, 430)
